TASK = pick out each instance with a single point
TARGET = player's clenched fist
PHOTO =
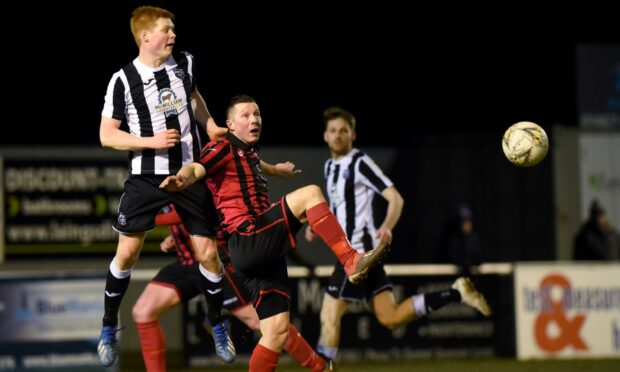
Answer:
(166, 139)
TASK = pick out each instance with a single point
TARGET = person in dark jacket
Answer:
(597, 240)
(460, 244)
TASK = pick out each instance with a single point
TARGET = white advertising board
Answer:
(567, 310)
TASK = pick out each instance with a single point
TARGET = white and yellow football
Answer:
(525, 144)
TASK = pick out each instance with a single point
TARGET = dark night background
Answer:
(439, 84)
(398, 68)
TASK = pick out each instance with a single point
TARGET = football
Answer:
(525, 144)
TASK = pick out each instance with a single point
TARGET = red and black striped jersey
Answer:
(183, 244)
(184, 248)
(236, 181)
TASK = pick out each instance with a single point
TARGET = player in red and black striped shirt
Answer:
(261, 232)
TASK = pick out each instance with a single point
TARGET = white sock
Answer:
(215, 278)
(329, 352)
(419, 305)
(118, 273)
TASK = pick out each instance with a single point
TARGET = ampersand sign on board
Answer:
(553, 312)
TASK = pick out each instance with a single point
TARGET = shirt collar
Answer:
(239, 143)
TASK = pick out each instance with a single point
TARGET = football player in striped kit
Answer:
(353, 179)
(156, 95)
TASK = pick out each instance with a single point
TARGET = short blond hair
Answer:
(144, 18)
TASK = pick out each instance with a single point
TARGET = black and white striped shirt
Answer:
(352, 182)
(153, 100)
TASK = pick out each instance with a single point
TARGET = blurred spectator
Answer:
(597, 239)
(459, 242)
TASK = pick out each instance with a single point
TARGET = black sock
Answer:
(214, 294)
(115, 289)
(437, 300)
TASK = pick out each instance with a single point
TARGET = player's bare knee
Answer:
(136, 313)
(314, 191)
(391, 325)
(277, 338)
(207, 256)
(282, 336)
(125, 260)
(211, 256)
(387, 321)
(140, 313)
(310, 194)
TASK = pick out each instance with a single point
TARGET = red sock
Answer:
(301, 351)
(263, 359)
(326, 225)
(153, 345)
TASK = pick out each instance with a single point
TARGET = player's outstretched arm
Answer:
(282, 170)
(184, 178)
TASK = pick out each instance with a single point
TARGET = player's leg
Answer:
(119, 272)
(309, 204)
(155, 300)
(274, 332)
(379, 292)
(258, 253)
(117, 281)
(236, 298)
(248, 316)
(141, 201)
(297, 347)
(332, 311)
(195, 207)
(205, 250)
(389, 313)
(211, 269)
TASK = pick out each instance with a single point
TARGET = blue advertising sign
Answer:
(50, 322)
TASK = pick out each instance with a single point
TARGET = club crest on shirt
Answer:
(169, 104)
(240, 152)
(179, 73)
